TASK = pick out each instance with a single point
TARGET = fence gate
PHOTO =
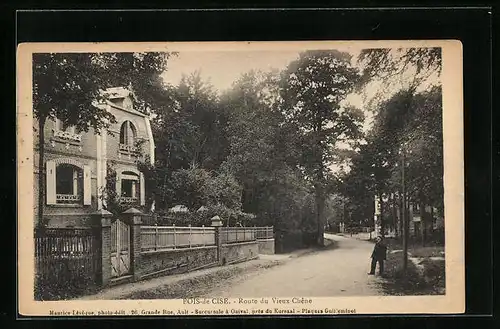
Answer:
(120, 248)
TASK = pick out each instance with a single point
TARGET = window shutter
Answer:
(50, 185)
(143, 189)
(87, 186)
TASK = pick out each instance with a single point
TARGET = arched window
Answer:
(127, 133)
(69, 184)
(131, 187)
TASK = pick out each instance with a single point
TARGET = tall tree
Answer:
(406, 126)
(68, 85)
(385, 63)
(189, 131)
(397, 69)
(313, 89)
(264, 156)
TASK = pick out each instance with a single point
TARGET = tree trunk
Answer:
(401, 216)
(432, 220)
(320, 212)
(320, 183)
(423, 221)
(382, 224)
(41, 171)
(404, 215)
(394, 216)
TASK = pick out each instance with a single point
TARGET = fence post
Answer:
(218, 241)
(102, 230)
(134, 218)
(175, 237)
(190, 235)
(203, 235)
(156, 237)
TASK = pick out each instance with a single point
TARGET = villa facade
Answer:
(76, 163)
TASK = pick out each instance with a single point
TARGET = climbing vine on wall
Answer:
(109, 197)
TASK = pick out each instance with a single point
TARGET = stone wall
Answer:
(159, 263)
(266, 247)
(149, 264)
(239, 252)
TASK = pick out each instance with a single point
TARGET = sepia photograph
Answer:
(240, 178)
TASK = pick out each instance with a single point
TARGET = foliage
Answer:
(188, 187)
(109, 196)
(398, 69)
(264, 154)
(407, 126)
(69, 86)
(313, 89)
(189, 128)
(194, 188)
(261, 152)
(387, 62)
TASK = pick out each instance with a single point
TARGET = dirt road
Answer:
(338, 272)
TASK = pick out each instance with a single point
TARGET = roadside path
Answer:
(337, 272)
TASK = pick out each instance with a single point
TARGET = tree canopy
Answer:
(267, 145)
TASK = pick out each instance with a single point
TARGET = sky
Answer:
(223, 68)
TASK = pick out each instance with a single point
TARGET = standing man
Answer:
(378, 255)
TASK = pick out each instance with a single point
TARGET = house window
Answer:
(69, 184)
(130, 188)
(61, 126)
(66, 132)
(127, 134)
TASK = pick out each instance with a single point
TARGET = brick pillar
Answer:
(134, 218)
(102, 228)
(217, 223)
(218, 243)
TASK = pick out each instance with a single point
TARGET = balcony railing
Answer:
(128, 200)
(129, 149)
(68, 198)
(67, 135)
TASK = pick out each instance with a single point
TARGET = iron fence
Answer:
(66, 262)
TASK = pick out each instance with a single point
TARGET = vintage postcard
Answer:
(240, 178)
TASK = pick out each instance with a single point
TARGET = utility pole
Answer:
(403, 215)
